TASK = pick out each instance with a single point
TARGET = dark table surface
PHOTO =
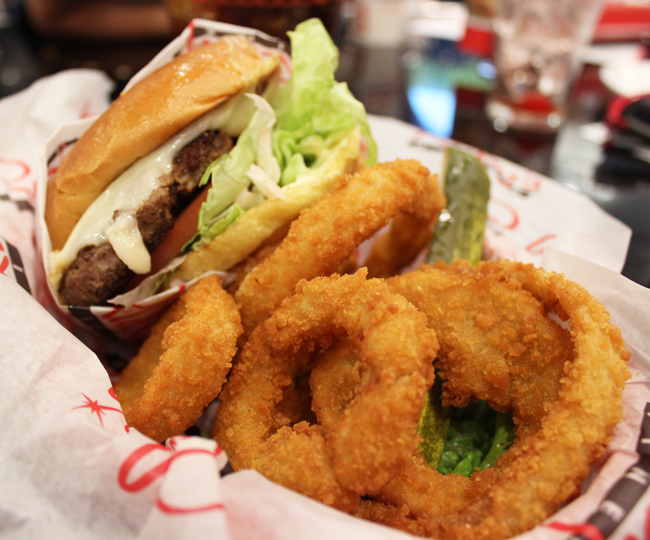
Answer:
(400, 82)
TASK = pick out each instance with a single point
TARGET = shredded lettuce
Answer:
(228, 175)
(285, 135)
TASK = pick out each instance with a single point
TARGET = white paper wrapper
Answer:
(69, 467)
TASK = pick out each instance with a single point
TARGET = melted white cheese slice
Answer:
(134, 186)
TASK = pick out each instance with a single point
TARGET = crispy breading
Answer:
(499, 344)
(375, 435)
(183, 364)
(327, 234)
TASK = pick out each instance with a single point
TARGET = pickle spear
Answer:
(433, 425)
(461, 226)
(459, 234)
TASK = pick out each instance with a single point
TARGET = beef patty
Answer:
(98, 274)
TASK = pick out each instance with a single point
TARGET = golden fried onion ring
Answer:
(327, 234)
(562, 435)
(376, 434)
(183, 364)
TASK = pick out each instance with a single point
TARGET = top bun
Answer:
(143, 118)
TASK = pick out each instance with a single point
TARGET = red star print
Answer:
(96, 408)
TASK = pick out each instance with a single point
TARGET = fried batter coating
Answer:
(183, 364)
(496, 339)
(390, 516)
(375, 435)
(563, 425)
(407, 237)
(327, 234)
(335, 380)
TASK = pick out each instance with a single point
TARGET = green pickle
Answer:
(504, 436)
(433, 425)
(461, 226)
(462, 441)
(477, 436)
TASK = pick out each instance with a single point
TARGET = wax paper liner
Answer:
(69, 466)
(131, 320)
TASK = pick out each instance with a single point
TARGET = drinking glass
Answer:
(537, 56)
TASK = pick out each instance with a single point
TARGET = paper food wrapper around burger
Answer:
(131, 315)
(69, 466)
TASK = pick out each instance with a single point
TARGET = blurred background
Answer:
(428, 62)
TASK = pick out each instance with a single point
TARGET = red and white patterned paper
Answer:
(70, 467)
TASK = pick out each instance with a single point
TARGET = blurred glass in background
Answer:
(537, 55)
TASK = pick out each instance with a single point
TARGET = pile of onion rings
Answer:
(561, 396)
(397, 350)
(331, 373)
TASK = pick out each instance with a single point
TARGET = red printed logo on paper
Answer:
(587, 530)
(13, 171)
(16, 175)
(95, 408)
(591, 531)
(133, 483)
(86, 111)
(537, 246)
(503, 214)
(134, 322)
(524, 184)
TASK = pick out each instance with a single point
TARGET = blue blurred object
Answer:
(434, 108)
(433, 78)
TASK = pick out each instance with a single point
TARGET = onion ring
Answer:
(334, 381)
(183, 364)
(407, 237)
(557, 439)
(327, 234)
(496, 339)
(376, 434)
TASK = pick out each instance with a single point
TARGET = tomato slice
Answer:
(181, 232)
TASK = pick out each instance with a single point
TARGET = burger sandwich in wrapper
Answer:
(197, 164)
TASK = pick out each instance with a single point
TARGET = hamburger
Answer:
(198, 164)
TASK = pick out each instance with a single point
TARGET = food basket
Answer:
(71, 467)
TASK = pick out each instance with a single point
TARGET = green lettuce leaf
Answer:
(313, 111)
(220, 225)
(308, 115)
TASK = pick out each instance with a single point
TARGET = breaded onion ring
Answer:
(563, 425)
(407, 237)
(183, 364)
(375, 435)
(327, 234)
(334, 381)
(496, 339)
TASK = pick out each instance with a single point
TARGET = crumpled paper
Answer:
(69, 466)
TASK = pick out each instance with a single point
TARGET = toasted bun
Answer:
(260, 222)
(143, 118)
